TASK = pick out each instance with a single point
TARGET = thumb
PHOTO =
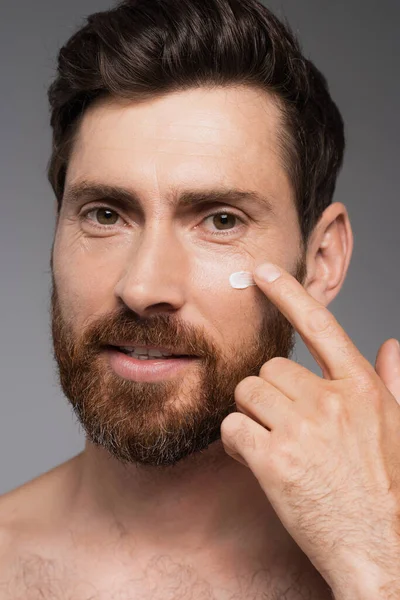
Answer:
(387, 366)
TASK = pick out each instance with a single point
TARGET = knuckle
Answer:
(272, 366)
(331, 402)
(235, 429)
(231, 424)
(249, 391)
(253, 396)
(246, 438)
(320, 322)
(267, 399)
(332, 399)
(285, 459)
(245, 386)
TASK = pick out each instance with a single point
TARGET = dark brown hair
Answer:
(146, 48)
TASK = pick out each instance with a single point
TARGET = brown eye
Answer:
(105, 216)
(224, 220)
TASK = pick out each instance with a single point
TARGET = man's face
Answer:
(155, 272)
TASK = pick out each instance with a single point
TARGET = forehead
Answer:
(199, 136)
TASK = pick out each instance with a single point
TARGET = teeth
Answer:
(156, 353)
(148, 356)
(143, 353)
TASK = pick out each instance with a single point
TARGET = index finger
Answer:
(325, 338)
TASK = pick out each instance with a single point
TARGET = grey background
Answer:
(354, 42)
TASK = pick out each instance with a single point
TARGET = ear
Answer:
(328, 254)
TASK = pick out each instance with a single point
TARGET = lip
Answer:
(146, 370)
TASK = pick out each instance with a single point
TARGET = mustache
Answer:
(161, 330)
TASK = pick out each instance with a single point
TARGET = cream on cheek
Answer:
(226, 311)
(241, 280)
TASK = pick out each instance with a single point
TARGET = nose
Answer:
(156, 274)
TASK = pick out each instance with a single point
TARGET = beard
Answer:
(159, 423)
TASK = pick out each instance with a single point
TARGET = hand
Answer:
(326, 450)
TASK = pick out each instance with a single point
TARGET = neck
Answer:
(207, 501)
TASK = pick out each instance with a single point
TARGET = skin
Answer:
(109, 522)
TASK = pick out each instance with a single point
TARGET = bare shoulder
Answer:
(29, 515)
(35, 497)
(32, 506)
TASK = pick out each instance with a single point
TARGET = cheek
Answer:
(84, 281)
(231, 312)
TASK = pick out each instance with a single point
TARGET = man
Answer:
(192, 141)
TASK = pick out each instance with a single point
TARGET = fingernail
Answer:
(268, 272)
(398, 345)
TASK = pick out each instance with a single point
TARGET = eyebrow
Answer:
(91, 191)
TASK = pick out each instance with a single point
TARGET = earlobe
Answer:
(329, 253)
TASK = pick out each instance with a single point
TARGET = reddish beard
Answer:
(160, 423)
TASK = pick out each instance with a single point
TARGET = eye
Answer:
(103, 216)
(224, 222)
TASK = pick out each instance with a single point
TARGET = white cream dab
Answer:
(241, 280)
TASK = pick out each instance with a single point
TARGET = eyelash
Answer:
(84, 215)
